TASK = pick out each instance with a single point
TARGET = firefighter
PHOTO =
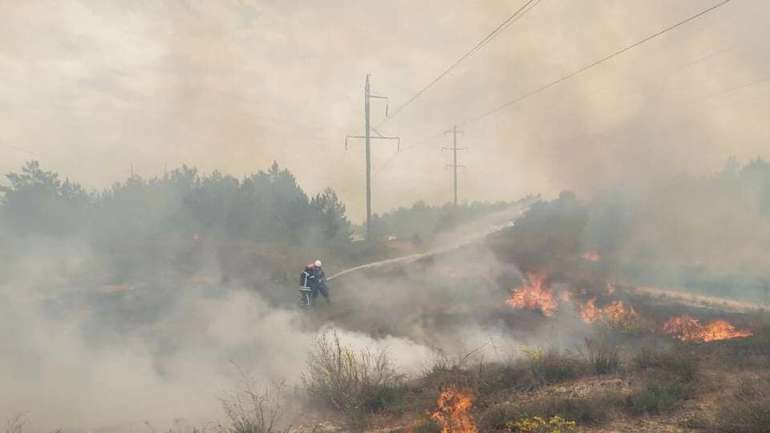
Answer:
(307, 276)
(319, 282)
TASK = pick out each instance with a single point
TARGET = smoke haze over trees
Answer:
(267, 207)
(421, 221)
(707, 233)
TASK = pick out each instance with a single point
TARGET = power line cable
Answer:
(526, 7)
(593, 64)
(566, 77)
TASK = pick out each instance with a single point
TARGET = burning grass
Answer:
(534, 295)
(453, 411)
(615, 314)
(687, 328)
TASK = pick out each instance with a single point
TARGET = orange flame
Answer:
(615, 313)
(687, 328)
(453, 412)
(590, 313)
(534, 295)
(591, 256)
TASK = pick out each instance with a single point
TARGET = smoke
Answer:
(82, 356)
(236, 84)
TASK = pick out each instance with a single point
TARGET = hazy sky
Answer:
(90, 88)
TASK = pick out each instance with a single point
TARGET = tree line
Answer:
(267, 206)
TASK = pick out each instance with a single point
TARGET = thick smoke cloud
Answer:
(236, 84)
(96, 89)
(80, 356)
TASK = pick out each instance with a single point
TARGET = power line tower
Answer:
(454, 164)
(367, 140)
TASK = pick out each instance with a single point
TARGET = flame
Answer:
(453, 412)
(590, 313)
(534, 295)
(615, 314)
(687, 328)
(591, 256)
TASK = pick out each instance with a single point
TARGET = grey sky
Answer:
(91, 87)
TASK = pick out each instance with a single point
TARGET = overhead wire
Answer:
(593, 64)
(520, 12)
(570, 75)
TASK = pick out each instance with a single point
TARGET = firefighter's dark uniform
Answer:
(319, 281)
(314, 278)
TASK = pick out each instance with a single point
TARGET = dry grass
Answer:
(589, 410)
(553, 367)
(747, 409)
(656, 397)
(427, 426)
(668, 378)
(15, 424)
(353, 383)
(252, 410)
(602, 355)
(679, 363)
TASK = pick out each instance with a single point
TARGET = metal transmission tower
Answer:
(454, 165)
(368, 137)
